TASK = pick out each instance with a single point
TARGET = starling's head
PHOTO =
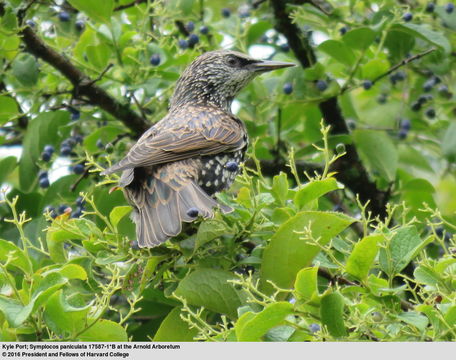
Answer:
(216, 77)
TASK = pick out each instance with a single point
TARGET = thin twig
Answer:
(126, 6)
(402, 63)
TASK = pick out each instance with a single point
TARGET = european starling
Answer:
(171, 173)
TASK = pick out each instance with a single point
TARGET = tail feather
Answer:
(157, 221)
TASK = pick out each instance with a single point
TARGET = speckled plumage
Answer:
(170, 174)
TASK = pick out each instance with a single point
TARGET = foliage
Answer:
(303, 256)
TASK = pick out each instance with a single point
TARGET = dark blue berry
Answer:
(49, 149)
(343, 30)
(64, 16)
(134, 245)
(80, 201)
(422, 99)
(285, 47)
(400, 75)
(430, 113)
(99, 144)
(44, 183)
(78, 139)
(351, 124)
(51, 210)
(338, 208)
(75, 113)
(416, 106)
(76, 214)
(367, 84)
(183, 44)
(232, 166)
(407, 17)
(193, 39)
(31, 23)
(62, 208)
(430, 7)
(322, 85)
(449, 8)
(80, 25)
(42, 174)
(264, 38)
(193, 212)
(204, 30)
(428, 85)
(45, 156)
(405, 124)
(226, 12)
(65, 150)
(402, 134)
(155, 59)
(78, 169)
(287, 88)
(436, 80)
(190, 26)
(314, 328)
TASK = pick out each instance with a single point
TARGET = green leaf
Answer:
(339, 51)
(209, 230)
(251, 326)
(449, 143)
(363, 255)
(173, 328)
(374, 68)
(8, 109)
(401, 250)
(426, 275)
(106, 134)
(7, 165)
(306, 284)
(118, 213)
(41, 131)
(98, 55)
(314, 190)
(97, 10)
(62, 318)
(288, 252)
(210, 288)
(280, 188)
(399, 43)
(25, 69)
(359, 38)
(415, 319)
(423, 32)
(17, 256)
(331, 312)
(256, 30)
(103, 330)
(16, 313)
(73, 271)
(377, 151)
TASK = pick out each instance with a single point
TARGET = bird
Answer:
(172, 173)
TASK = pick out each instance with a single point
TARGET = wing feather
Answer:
(205, 133)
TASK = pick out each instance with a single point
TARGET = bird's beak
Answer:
(266, 65)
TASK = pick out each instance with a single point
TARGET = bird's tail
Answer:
(162, 206)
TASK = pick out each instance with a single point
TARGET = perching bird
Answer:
(171, 173)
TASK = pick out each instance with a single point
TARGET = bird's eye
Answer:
(232, 61)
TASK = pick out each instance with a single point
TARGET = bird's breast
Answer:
(219, 171)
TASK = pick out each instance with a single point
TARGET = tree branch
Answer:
(349, 168)
(126, 6)
(83, 85)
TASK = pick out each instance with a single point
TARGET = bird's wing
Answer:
(196, 133)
